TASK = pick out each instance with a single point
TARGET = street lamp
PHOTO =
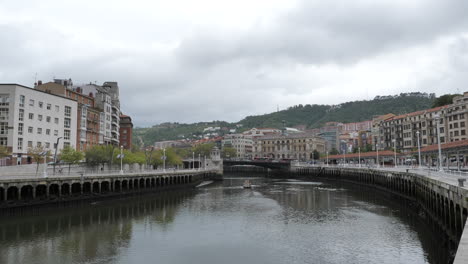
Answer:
(121, 159)
(394, 152)
(164, 159)
(199, 162)
(437, 119)
(327, 159)
(419, 150)
(377, 148)
(193, 160)
(345, 156)
(55, 155)
(45, 162)
(359, 151)
(204, 162)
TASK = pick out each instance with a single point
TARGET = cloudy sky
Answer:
(204, 60)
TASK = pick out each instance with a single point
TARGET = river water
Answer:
(277, 221)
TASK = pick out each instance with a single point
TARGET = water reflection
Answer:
(278, 221)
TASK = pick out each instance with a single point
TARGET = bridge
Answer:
(274, 165)
(17, 191)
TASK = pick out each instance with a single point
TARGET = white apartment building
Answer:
(241, 143)
(30, 118)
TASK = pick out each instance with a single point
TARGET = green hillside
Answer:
(311, 116)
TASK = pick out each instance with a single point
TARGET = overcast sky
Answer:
(204, 60)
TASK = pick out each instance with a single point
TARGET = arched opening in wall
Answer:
(447, 213)
(153, 182)
(130, 184)
(124, 185)
(190, 179)
(96, 187)
(105, 187)
(76, 188)
(87, 187)
(158, 182)
(54, 190)
(166, 181)
(2, 194)
(458, 221)
(41, 191)
(186, 179)
(135, 183)
(26, 192)
(179, 180)
(148, 183)
(65, 189)
(117, 186)
(12, 193)
(142, 183)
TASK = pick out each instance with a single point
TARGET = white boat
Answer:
(247, 184)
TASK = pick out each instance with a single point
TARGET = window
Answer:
(66, 144)
(441, 130)
(456, 133)
(55, 132)
(30, 129)
(56, 120)
(67, 122)
(57, 108)
(66, 134)
(20, 129)
(462, 124)
(3, 141)
(67, 111)
(39, 117)
(4, 112)
(29, 144)
(41, 104)
(48, 119)
(49, 106)
(39, 144)
(462, 132)
(3, 128)
(21, 115)
(455, 125)
(39, 131)
(20, 144)
(47, 144)
(31, 102)
(31, 116)
(47, 132)
(21, 101)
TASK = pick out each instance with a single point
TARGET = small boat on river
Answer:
(247, 184)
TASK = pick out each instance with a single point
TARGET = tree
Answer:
(229, 152)
(96, 155)
(4, 152)
(71, 156)
(38, 153)
(333, 151)
(316, 154)
(445, 99)
(203, 149)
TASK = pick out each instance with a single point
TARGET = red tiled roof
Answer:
(445, 146)
(435, 109)
(364, 155)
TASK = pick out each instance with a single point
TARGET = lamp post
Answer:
(419, 150)
(55, 155)
(327, 159)
(45, 163)
(164, 159)
(204, 162)
(394, 152)
(345, 156)
(359, 151)
(193, 160)
(437, 119)
(377, 148)
(121, 159)
(199, 162)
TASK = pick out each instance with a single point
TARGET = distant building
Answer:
(242, 143)
(298, 146)
(171, 144)
(126, 130)
(30, 118)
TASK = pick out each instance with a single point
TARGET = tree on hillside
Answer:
(38, 153)
(203, 149)
(4, 152)
(445, 99)
(229, 152)
(71, 156)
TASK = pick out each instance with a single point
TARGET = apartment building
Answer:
(298, 146)
(30, 118)
(457, 118)
(243, 144)
(126, 128)
(88, 117)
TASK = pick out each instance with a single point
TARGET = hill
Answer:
(312, 116)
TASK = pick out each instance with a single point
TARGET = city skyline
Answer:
(172, 58)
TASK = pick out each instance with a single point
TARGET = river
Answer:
(277, 221)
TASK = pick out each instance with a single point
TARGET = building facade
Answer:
(243, 144)
(125, 131)
(30, 118)
(298, 146)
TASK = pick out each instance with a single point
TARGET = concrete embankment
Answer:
(445, 203)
